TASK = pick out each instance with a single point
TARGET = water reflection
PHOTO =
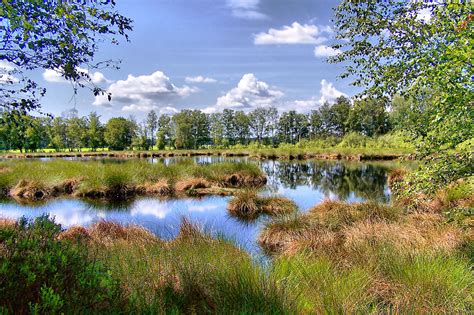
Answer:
(306, 182)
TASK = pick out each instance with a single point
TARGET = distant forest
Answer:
(194, 129)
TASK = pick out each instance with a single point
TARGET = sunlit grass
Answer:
(118, 178)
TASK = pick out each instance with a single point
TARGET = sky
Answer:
(212, 55)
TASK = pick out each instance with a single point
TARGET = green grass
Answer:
(116, 177)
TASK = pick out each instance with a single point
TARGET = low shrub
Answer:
(40, 273)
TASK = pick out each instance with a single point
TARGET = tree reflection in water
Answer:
(340, 179)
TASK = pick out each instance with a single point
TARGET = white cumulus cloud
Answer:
(328, 93)
(246, 9)
(55, 76)
(294, 34)
(143, 93)
(249, 93)
(325, 51)
(200, 79)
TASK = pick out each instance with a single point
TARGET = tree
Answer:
(389, 49)
(230, 128)
(56, 35)
(36, 135)
(152, 124)
(340, 113)
(292, 126)
(326, 115)
(76, 133)
(272, 126)
(315, 124)
(57, 134)
(140, 139)
(164, 132)
(191, 129)
(369, 117)
(242, 126)
(217, 128)
(119, 133)
(263, 122)
(95, 131)
(412, 114)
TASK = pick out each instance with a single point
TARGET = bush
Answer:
(41, 274)
(354, 140)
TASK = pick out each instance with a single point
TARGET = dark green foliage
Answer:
(41, 274)
(369, 117)
(119, 133)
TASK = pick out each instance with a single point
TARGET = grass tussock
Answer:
(404, 262)
(190, 184)
(37, 180)
(247, 204)
(107, 232)
(351, 231)
(193, 273)
(160, 188)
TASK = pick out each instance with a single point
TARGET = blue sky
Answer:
(212, 55)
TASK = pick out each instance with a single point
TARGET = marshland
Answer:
(314, 236)
(228, 184)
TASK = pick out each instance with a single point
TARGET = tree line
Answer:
(193, 129)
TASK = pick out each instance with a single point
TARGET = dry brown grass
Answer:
(160, 188)
(4, 169)
(278, 205)
(68, 186)
(352, 233)
(416, 233)
(30, 190)
(335, 214)
(248, 205)
(187, 184)
(76, 234)
(278, 234)
(244, 205)
(4, 222)
(189, 231)
(107, 233)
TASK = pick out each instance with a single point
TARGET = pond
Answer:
(305, 182)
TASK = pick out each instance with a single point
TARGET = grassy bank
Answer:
(35, 180)
(260, 152)
(381, 261)
(352, 146)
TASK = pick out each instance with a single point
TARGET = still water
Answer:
(305, 182)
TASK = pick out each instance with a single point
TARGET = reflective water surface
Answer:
(305, 182)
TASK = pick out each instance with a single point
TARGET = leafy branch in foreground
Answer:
(409, 47)
(56, 35)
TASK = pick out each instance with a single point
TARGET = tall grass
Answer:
(196, 273)
(193, 274)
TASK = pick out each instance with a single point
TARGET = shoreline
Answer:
(256, 155)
